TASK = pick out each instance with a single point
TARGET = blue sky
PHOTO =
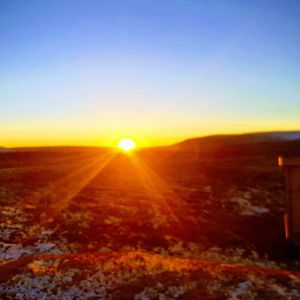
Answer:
(85, 72)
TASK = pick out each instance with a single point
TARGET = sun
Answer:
(126, 144)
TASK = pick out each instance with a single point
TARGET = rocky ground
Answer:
(96, 224)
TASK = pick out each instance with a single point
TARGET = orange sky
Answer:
(90, 134)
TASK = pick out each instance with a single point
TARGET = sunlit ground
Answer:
(139, 210)
(146, 199)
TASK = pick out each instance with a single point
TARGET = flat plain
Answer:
(190, 221)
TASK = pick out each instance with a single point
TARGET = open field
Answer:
(149, 150)
(165, 223)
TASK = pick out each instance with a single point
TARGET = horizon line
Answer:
(154, 146)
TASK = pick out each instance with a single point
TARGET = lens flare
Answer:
(126, 144)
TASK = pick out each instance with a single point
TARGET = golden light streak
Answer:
(57, 197)
(159, 191)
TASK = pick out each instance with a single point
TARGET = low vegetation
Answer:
(89, 223)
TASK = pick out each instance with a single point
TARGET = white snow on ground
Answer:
(161, 293)
(246, 290)
(45, 247)
(14, 251)
(246, 208)
(294, 293)
(50, 279)
(241, 290)
(42, 287)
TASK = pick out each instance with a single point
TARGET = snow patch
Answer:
(246, 208)
(241, 290)
(45, 247)
(14, 251)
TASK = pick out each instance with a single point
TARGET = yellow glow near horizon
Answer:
(126, 144)
(87, 132)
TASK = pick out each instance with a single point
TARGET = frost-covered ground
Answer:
(142, 276)
(93, 224)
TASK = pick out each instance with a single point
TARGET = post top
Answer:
(288, 161)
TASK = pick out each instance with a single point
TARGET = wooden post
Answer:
(291, 167)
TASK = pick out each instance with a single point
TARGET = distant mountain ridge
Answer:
(293, 135)
(276, 143)
(248, 137)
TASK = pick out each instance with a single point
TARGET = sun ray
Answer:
(57, 197)
(158, 189)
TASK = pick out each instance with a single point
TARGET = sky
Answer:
(87, 72)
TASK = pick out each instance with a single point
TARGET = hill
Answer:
(272, 143)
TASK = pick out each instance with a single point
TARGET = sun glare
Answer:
(126, 144)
